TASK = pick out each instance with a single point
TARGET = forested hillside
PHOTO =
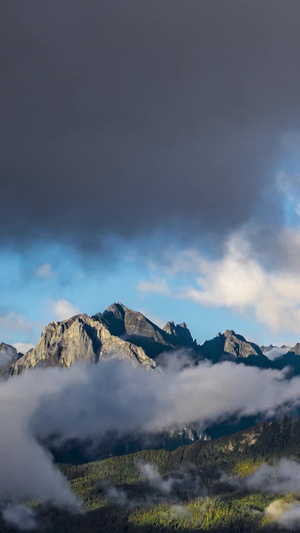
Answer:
(185, 490)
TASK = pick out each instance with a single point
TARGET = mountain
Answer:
(8, 350)
(131, 335)
(272, 352)
(233, 347)
(80, 338)
(187, 490)
(291, 359)
(8, 355)
(203, 498)
(117, 330)
(134, 327)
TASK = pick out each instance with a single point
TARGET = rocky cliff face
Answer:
(295, 349)
(180, 333)
(130, 335)
(80, 338)
(118, 331)
(8, 355)
(139, 330)
(232, 346)
(291, 358)
(237, 345)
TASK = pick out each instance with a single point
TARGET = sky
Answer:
(150, 155)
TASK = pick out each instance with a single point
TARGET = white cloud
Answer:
(239, 281)
(20, 516)
(16, 322)
(151, 474)
(282, 478)
(63, 309)
(90, 401)
(23, 347)
(44, 271)
(286, 514)
(276, 508)
(6, 356)
(290, 519)
(28, 471)
(157, 285)
(132, 399)
(277, 352)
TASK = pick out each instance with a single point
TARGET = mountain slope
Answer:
(234, 347)
(291, 358)
(160, 491)
(118, 330)
(80, 338)
(131, 335)
(8, 356)
(134, 327)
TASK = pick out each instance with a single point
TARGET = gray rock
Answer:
(180, 332)
(230, 345)
(80, 338)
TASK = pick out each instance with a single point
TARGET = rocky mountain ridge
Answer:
(8, 356)
(132, 336)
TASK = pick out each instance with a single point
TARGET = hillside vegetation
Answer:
(118, 494)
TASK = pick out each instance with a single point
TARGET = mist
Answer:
(281, 478)
(89, 401)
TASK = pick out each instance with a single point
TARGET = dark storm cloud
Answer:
(126, 116)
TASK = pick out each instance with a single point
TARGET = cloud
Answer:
(63, 309)
(151, 474)
(116, 396)
(117, 495)
(290, 518)
(181, 512)
(23, 347)
(240, 281)
(20, 516)
(28, 470)
(44, 271)
(183, 483)
(277, 352)
(282, 478)
(14, 323)
(157, 286)
(6, 356)
(90, 401)
(182, 119)
(5, 360)
(286, 514)
(276, 508)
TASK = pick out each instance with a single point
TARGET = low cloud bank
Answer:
(279, 479)
(26, 468)
(283, 478)
(89, 401)
(117, 397)
(20, 516)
